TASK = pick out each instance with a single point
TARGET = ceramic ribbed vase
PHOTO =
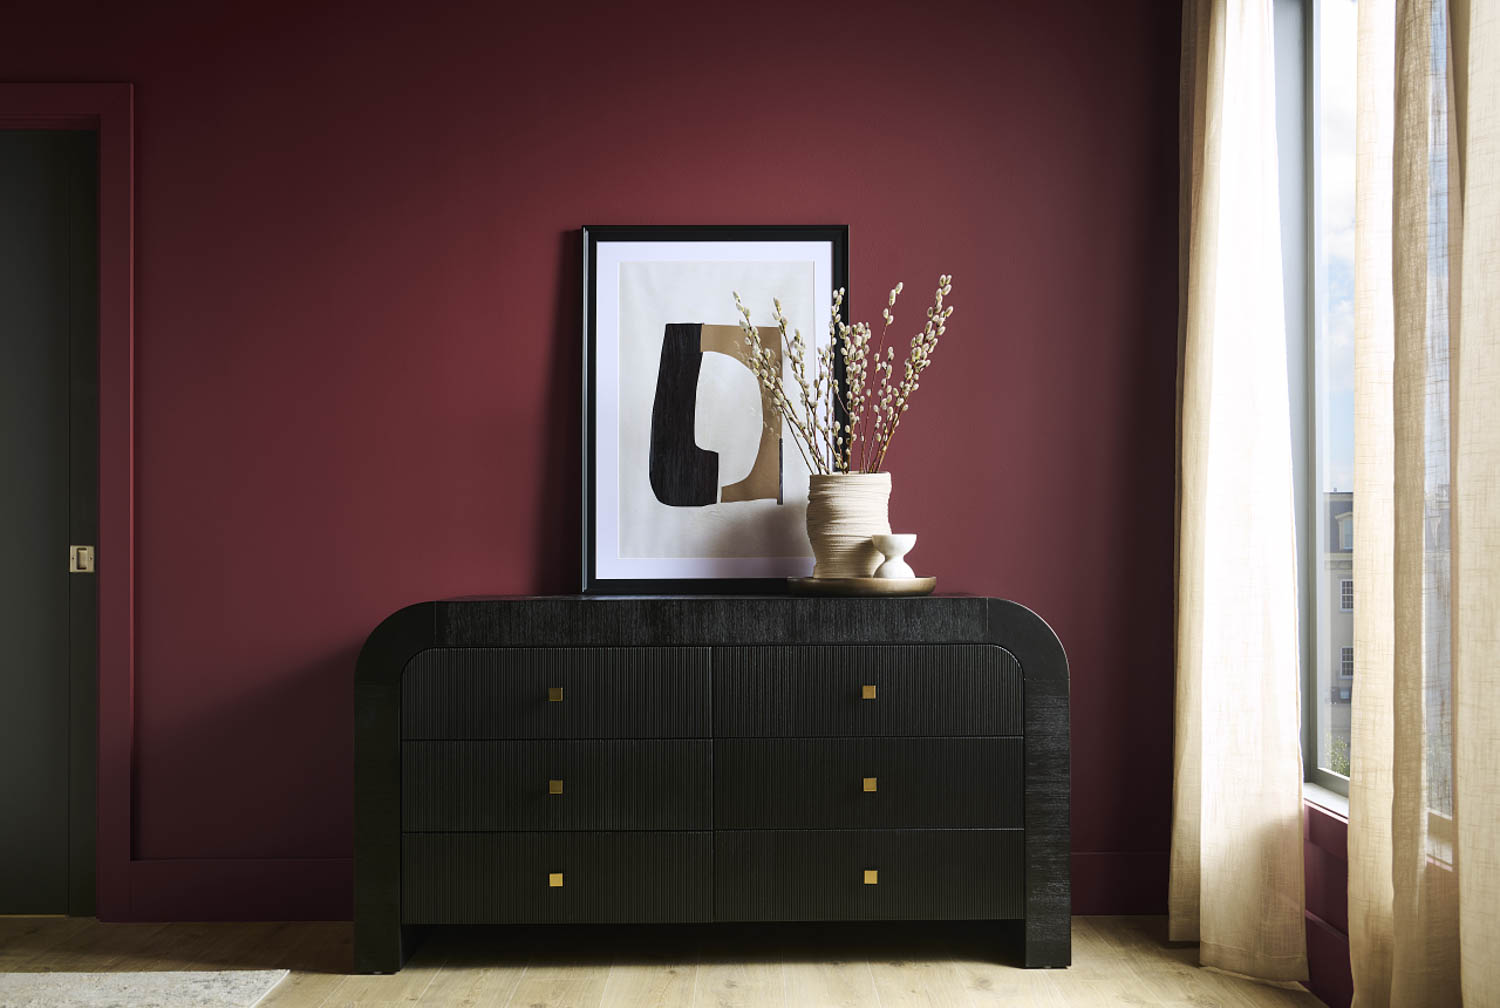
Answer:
(843, 511)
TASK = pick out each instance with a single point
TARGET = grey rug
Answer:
(226, 989)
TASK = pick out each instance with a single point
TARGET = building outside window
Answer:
(1335, 612)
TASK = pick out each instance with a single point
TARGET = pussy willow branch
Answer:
(768, 371)
(827, 421)
(917, 361)
(866, 415)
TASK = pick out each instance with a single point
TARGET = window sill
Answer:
(1325, 823)
(1330, 802)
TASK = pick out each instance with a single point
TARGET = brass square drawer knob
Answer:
(554, 880)
(554, 787)
(554, 694)
(869, 783)
(867, 692)
(872, 877)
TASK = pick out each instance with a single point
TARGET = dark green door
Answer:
(49, 321)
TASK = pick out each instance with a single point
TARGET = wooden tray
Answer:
(862, 586)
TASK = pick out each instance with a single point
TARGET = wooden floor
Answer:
(1117, 961)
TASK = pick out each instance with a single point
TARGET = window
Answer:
(1330, 221)
(1316, 85)
(1316, 43)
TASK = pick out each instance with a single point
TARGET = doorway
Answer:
(49, 519)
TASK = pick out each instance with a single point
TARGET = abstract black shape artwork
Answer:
(682, 474)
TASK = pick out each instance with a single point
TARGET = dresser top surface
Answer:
(709, 598)
(709, 620)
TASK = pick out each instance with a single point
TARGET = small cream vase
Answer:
(843, 511)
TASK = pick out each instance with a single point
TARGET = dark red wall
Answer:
(358, 329)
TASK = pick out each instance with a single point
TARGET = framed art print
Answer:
(690, 482)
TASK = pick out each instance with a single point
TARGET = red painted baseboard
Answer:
(243, 890)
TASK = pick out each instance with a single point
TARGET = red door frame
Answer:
(109, 109)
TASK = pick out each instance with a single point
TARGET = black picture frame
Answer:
(836, 235)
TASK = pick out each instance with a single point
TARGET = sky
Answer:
(1336, 52)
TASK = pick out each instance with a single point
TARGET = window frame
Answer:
(1299, 152)
(1346, 592)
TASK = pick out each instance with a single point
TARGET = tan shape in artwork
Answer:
(764, 479)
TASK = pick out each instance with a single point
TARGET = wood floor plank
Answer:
(406, 987)
(1238, 992)
(302, 990)
(14, 925)
(558, 986)
(322, 947)
(281, 945)
(482, 968)
(101, 949)
(1096, 955)
(1045, 991)
(470, 986)
(829, 984)
(909, 983)
(318, 953)
(188, 946)
(726, 983)
(1120, 992)
(1179, 983)
(1120, 961)
(24, 939)
(989, 984)
(634, 984)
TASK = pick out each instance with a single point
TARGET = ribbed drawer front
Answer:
(868, 783)
(504, 693)
(500, 878)
(600, 785)
(790, 875)
(814, 690)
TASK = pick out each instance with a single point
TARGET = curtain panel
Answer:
(1424, 815)
(1476, 507)
(1236, 882)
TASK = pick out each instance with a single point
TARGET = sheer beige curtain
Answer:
(1424, 808)
(1236, 868)
(1476, 508)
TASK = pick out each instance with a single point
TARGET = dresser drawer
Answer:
(568, 785)
(790, 875)
(913, 689)
(556, 693)
(868, 783)
(533, 878)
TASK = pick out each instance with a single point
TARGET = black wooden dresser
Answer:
(680, 759)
